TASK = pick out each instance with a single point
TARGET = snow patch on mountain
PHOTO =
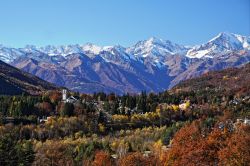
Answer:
(152, 50)
(222, 43)
(9, 54)
(91, 49)
(155, 50)
(116, 54)
(155, 47)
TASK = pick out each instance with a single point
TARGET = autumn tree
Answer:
(102, 158)
(186, 146)
(237, 151)
(67, 109)
(45, 108)
(55, 97)
(14, 152)
(136, 159)
(53, 153)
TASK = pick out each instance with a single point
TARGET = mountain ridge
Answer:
(14, 81)
(151, 65)
(153, 47)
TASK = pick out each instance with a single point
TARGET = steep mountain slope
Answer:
(152, 65)
(155, 50)
(234, 81)
(81, 73)
(222, 43)
(15, 81)
(196, 67)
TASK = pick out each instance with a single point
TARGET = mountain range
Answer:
(151, 65)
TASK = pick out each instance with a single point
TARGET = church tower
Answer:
(64, 94)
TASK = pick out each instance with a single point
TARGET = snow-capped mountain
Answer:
(91, 49)
(151, 65)
(116, 54)
(60, 50)
(155, 47)
(155, 50)
(9, 54)
(224, 42)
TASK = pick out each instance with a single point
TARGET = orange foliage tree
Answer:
(192, 146)
(137, 159)
(102, 159)
(237, 151)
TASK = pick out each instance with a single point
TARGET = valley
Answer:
(191, 118)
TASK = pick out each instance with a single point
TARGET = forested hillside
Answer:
(230, 81)
(14, 81)
(202, 121)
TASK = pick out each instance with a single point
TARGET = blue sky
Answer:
(124, 22)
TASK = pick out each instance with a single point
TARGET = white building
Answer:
(70, 99)
(247, 121)
(64, 94)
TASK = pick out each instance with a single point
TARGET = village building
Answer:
(247, 121)
(43, 119)
(71, 99)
